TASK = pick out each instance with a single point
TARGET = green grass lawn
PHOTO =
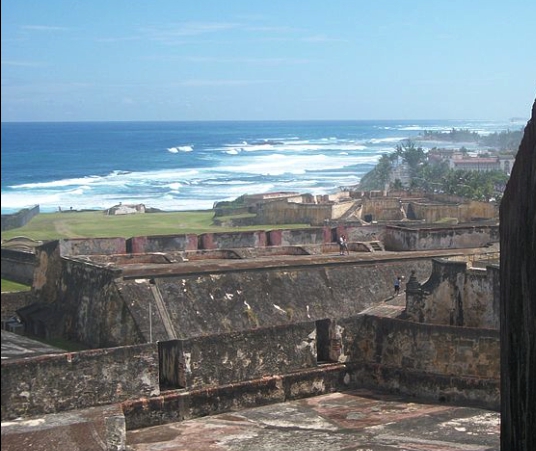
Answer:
(9, 287)
(95, 224)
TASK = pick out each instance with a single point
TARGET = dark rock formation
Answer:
(518, 299)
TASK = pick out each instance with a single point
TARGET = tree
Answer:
(379, 176)
(412, 156)
(397, 185)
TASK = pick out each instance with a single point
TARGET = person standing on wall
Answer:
(343, 245)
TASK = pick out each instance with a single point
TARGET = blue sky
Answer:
(118, 60)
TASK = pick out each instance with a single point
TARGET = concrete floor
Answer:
(351, 421)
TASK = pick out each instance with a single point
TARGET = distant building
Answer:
(496, 163)
(122, 209)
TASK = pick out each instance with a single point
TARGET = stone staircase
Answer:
(354, 212)
(375, 246)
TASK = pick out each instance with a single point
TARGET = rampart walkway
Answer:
(222, 265)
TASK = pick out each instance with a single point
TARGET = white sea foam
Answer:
(178, 149)
(411, 128)
(295, 146)
(386, 140)
(170, 187)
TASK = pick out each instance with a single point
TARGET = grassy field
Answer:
(94, 224)
(10, 287)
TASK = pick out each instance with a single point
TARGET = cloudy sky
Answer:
(119, 60)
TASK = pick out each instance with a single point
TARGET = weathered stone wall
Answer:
(236, 300)
(181, 405)
(19, 219)
(382, 209)
(480, 307)
(92, 246)
(94, 310)
(258, 367)
(253, 239)
(18, 266)
(60, 382)
(475, 210)
(283, 212)
(293, 237)
(221, 240)
(432, 213)
(48, 271)
(463, 212)
(413, 239)
(11, 302)
(376, 208)
(422, 348)
(237, 357)
(369, 232)
(458, 296)
(162, 243)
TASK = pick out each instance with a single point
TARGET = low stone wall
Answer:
(294, 237)
(92, 246)
(19, 219)
(236, 370)
(18, 266)
(372, 232)
(415, 239)
(182, 405)
(217, 360)
(287, 212)
(162, 243)
(11, 302)
(61, 382)
(463, 211)
(253, 239)
(232, 239)
(473, 353)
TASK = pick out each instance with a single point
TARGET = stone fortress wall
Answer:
(366, 208)
(19, 219)
(277, 320)
(158, 382)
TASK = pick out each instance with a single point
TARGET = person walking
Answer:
(398, 282)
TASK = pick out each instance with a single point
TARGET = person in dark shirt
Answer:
(398, 282)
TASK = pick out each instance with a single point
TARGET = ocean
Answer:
(179, 166)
